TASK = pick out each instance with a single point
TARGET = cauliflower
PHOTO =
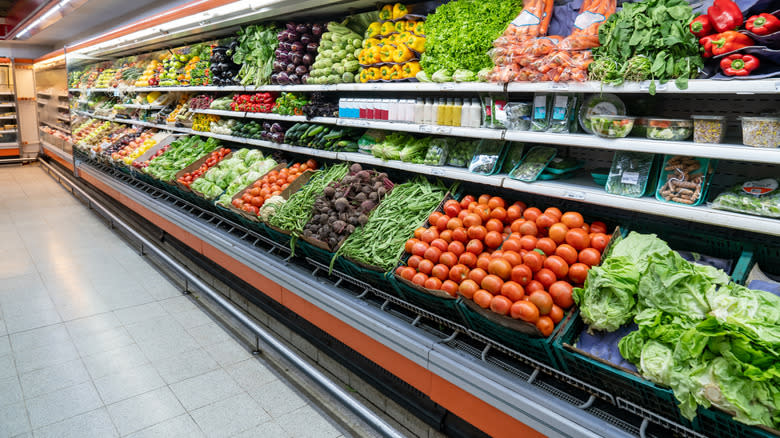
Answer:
(270, 207)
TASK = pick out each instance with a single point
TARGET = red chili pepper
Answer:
(763, 24)
(739, 65)
(701, 26)
(725, 15)
(730, 41)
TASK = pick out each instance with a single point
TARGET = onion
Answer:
(297, 47)
(312, 48)
(301, 28)
(305, 39)
(316, 29)
(308, 59)
(301, 70)
(290, 26)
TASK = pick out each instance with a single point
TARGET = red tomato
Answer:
(472, 220)
(468, 259)
(430, 235)
(419, 248)
(434, 217)
(598, 227)
(460, 235)
(542, 300)
(494, 225)
(578, 272)
(425, 266)
(533, 260)
(441, 223)
(452, 208)
(561, 294)
(475, 247)
(512, 290)
(446, 235)
(528, 228)
(450, 287)
(545, 325)
(458, 273)
(546, 277)
(414, 261)
(498, 213)
(500, 267)
(483, 199)
(467, 288)
(477, 274)
(557, 265)
(528, 242)
(454, 223)
(572, 219)
(557, 232)
(477, 232)
(419, 278)
(590, 256)
(406, 272)
(512, 244)
(492, 283)
(483, 298)
(440, 243)
(432, 254)
(496, 202)
(464, 203)
(524, 310)
(547, 245)
(567, 253)
(544, 221)
(532, 213)
(513, 257)
(432, 283)
(456, 248)
(513, 213)
(494, 239)
(599, 241)
(448, 259)
(500, 304)
(578, 238)
(441, 272)
(522, 274)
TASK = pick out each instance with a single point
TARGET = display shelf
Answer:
(735, 152)
(63, 118)
(63, 107)
(9, 145)
(410, 351)
(55, 126)
(7, 105)
(585, 190)
(140, 106)
(57, 151)
(223, 113)
(43, 93)
(6, 93)
(695, 86)
(43, 102)
(7, 131)
(8, 117)
(290, 148)
(280, 117)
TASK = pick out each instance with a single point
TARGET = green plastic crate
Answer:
(447, 308)
(371, 275)
(718, 424)
(279, 236)
(307, 249)
(619, 383)
(539, 349)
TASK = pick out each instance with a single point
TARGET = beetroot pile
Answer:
(298, 44)
(345, 205)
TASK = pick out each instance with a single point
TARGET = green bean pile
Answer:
(380, 242)
(297, 211)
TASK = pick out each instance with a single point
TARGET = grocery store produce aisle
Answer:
(95, 342)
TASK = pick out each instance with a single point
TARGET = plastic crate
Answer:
(537, 348)
(447, 308)
(307, 249)
(619, 383)
(718, 424)
(368, 274)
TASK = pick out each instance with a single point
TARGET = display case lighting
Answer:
(55, 9)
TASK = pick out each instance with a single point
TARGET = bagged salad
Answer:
(487, 158)
(535, 161)
(759, 198)
(630, 173)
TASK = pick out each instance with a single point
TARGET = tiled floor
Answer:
(96, 343)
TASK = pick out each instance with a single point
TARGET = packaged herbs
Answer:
(534, 163)
(630, 173)
(540, 118)
(760, 198)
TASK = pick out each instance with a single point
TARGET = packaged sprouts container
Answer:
(709, 129)
(669, 129)
(487, 159)
(761, 132)
(630, 173)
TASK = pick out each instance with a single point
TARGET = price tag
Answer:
(574, 195)
(426, 129)
(631, 178)
(559, 86)
(448, 86)
(443, 130)
(437, 171)
(341, 122)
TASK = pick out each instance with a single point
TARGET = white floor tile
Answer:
(13, 420)
(106, 340)
(180, 427)
(210, 334)
(251, 374)
(145, 410)
(228, 353)
(205, 389)
(128, 383)
(10, 391)
(140, 313)
(183, 366)
(60, 376)
(92, 324)
(44, 357)
(230, 416)
(278, 398)
(109, 362)
(63, 404)
(315, 426)
(93, 424)
(40, 337)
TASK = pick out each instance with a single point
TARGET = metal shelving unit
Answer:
(10, 141)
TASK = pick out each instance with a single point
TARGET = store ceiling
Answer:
(90, 18)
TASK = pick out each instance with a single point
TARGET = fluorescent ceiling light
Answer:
(56, 8)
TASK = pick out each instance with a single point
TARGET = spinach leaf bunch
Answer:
(656, 30)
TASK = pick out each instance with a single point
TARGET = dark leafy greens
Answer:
(256, 46)
(655, 29)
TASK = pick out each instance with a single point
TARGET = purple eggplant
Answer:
(275, 78)
(283, 78)
(276, 127)
(305, 39)
(296, 59)
(278, 52)
(308, 59)
(290, 26)
(267, 126)
(305, 78)
(297, 47)
(290, 69)
(293, 36)
(316, 29)
(301, 70)
(285, 46)
(312, 48)
(281, 36)
(283, 57)
(278, 66)
(301, 28)
(295, 79)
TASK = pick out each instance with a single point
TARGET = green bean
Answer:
(380, 242)
(297, 211)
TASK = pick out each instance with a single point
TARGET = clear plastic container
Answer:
(709, 129)
(518, 116)
(630, 173)
(640, 127)
(669, 129)
(611, 126)
(761, 132)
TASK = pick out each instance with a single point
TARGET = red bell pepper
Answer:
(706, 42)
(725, 15)
(730, 41)
(739, 65)
(701, 26)
(763, 24)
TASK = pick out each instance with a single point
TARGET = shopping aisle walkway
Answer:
(95, 342)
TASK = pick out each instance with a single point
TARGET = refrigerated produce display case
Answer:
(410, 187)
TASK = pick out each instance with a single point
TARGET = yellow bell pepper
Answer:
(371, 42)
(384, 72)
(419, 28)
(417, 43)
(395, 72)
(402, 54)
(373, 74)
(364, 77)
(411, 69)
(386, 13)
(392, 39)
(410, 26)
(403, 36)
(374, 55)
(387, 28)
(386, 53)
(399, 11)
(400, 26)
(374, 29)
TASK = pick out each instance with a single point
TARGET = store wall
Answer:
(20, 50)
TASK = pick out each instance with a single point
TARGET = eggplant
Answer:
(277, 137)
(305, 78)
(276, 127)
(283, 78)
(278, 52)
(305, 39)
(267, 126)
(290, 26)
(312, 48)
(293, 36)
(316, 29)
(284, 57)
(308, 59)
(297, 59)
(295, 79)
(301, 70)
(278, 66)
(285, 46)
(290, 68)
(274, 78)
(297, 47)
(233, 45)
(281, 36)
(223, 66)
(301, 28)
